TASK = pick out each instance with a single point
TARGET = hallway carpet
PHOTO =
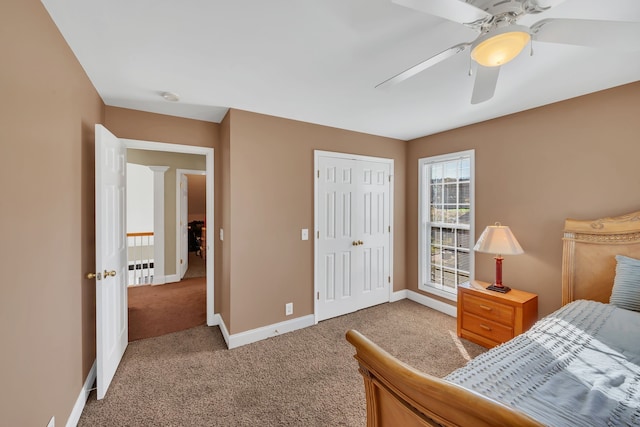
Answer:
(162, 309)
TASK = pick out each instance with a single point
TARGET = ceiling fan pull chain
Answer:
(531, 44)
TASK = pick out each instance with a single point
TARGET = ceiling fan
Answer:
(501, 39)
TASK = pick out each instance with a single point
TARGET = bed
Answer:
(578, 366)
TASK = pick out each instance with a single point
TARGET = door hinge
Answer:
(180, 260)
(318, 295)
(389, 279)
(318, 234)
(389, 229)
(318, 173)
(389, 178)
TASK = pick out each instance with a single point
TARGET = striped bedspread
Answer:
(579, 366)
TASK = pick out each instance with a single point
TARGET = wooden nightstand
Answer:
(490, 318)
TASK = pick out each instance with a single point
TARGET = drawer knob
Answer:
(485, 327)
(486, 307)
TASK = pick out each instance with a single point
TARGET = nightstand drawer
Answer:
(486, 328)
(488, 309)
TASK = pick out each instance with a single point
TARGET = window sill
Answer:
(438, 292)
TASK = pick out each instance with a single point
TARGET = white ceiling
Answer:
(318, 61)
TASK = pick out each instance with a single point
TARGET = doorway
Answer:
(208, 153)
(191, 236)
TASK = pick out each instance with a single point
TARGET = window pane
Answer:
(464, 215)
(451, 171)
(451, 193)
(463, 261)
(435, 236)
(449, 258)
(436, 276)
(463, 239)
(449, 279)
(463, 195)
(465, 169)
(448, 237)
(436, 194)
(436, 172)
(436, 214)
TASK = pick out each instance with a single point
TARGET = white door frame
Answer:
(316, 226)
(209, 161)
(179, 174)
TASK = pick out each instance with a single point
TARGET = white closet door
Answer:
(353, 236)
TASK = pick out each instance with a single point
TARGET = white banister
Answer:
(141, 258)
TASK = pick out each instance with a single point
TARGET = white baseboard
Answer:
(443, 307)
(82, 398)
(172, 278)
(259, 334)
(159, 280)
(223, 329)
(213, 320)
(398, 295)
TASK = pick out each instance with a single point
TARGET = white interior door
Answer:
(184, 225)
(111, 257)
(353, 235)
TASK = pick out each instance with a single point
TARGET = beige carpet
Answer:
(303, 378)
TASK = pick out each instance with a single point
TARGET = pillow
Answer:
(626, 285)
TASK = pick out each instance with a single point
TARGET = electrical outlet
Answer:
(288, 309)
(52, 422)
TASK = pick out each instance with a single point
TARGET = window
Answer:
(446, 222)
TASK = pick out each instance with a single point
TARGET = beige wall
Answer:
(47, 307)
(271, 200)
(577, 158)
(174, 161)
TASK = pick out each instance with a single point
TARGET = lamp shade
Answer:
(498, 239)
(500, 45)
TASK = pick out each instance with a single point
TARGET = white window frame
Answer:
(424, 225)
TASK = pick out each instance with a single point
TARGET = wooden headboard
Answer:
(588, 256)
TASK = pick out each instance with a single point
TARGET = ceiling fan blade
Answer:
(485, 84)
(453, 10)
(591, 33)
(410, 72)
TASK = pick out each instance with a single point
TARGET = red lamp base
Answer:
(498, 286)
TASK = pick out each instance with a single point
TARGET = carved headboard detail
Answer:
(590, 247)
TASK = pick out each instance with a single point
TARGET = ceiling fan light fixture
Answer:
(500, 45)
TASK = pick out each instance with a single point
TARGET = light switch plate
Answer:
(305, 234)
(221, 234)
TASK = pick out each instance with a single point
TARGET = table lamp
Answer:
(499, 240)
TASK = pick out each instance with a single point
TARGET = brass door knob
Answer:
(91, 275)
(111, 273)
(355, 243)
(360, 242)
